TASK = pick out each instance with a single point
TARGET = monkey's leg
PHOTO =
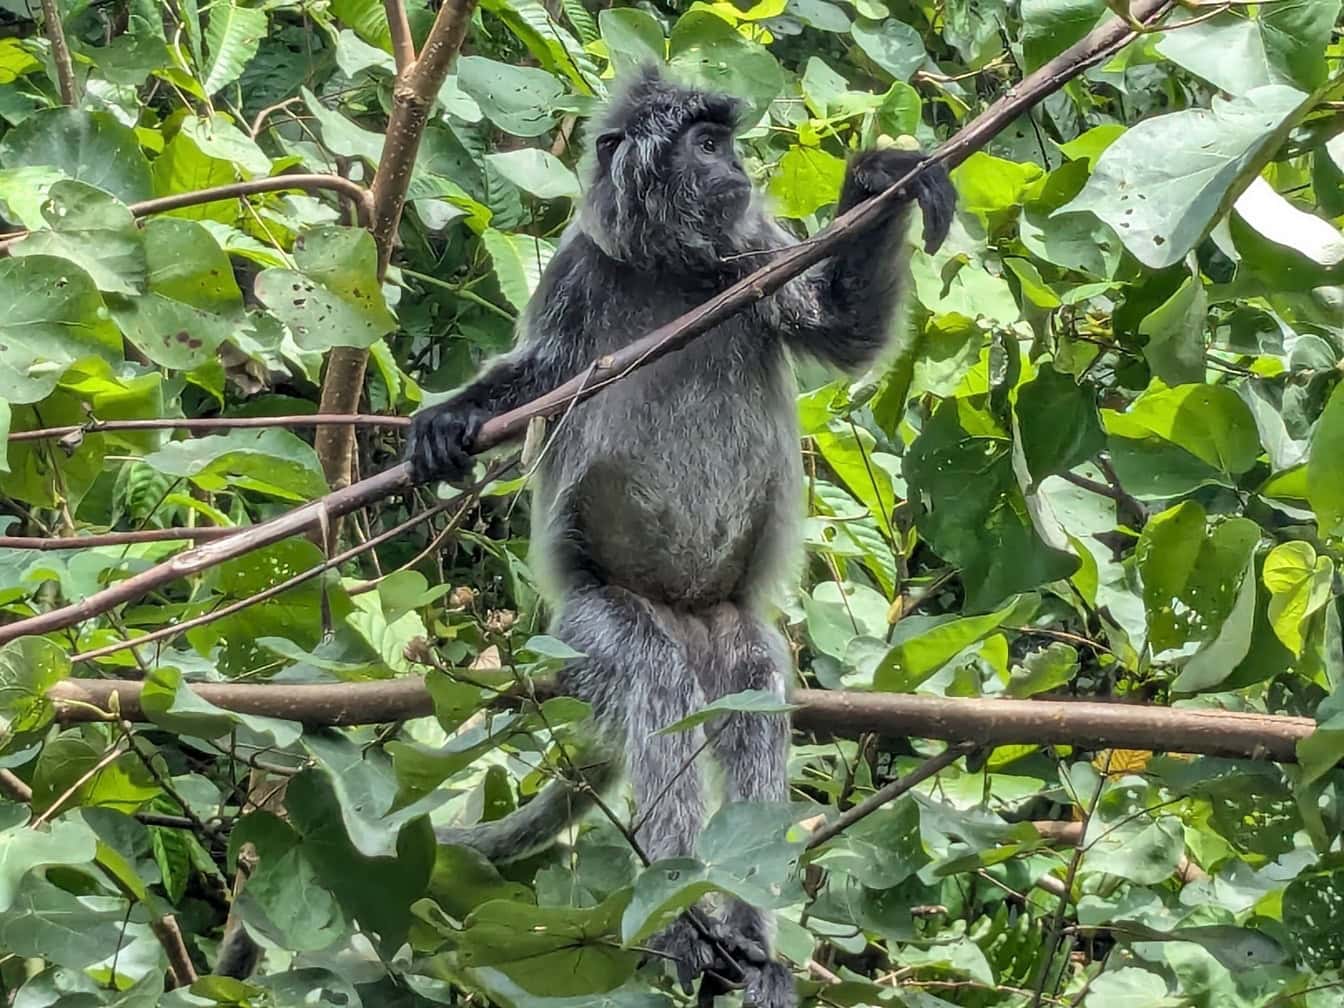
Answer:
(753, 750)
(638, 678)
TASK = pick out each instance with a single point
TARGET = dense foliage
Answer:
(1107, 460)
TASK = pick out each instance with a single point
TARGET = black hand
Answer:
(441, 439)
(937, 199)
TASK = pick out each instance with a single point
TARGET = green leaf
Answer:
(53, 317)
(746, 850)
(63, 842)
(1218, 660)
(519, 260)
(916, 658)
(183, 167)
(231, 39)
(988, 185)
(1191, 573)
(48, 922)
(217, 137)
(976, 515)
(1162, 206)
(376, 891)
(752, 701)
(1299, 584)
(368, 18)
(1171, 441)
(881, 850)
(1051, 26)
(1058, 422)
(1044, 670)
(807, 179)
(273, 461)
(536, 171)
(95, 232)
(1141, 849)
(170, 703)
(555, 951)
(29, 667)
(1325, 475)
(1129, 987)
(519, 100)
(193, 303)
(1296, 34)
(633, 37)
(333, 298)
(1227, 52)
(296, 910)
(893, 45)
(1175, 331)
(708, 51)
(92, 147)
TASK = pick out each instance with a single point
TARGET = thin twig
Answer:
(211, 424)
(298, 579)
(15, 788)
(109, 757)
(352, 191)
(1051, 945)
(403, 46)
(890, 792)
(200, 533)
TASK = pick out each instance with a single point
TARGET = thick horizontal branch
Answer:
(212, 424)
(1095, 47)
(1086, 724)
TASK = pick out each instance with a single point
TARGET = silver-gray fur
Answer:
(666, 508)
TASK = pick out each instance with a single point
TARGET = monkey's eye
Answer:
(708, 145)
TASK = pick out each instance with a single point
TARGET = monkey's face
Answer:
(708, 174)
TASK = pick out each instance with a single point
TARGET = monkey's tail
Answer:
(537, 824)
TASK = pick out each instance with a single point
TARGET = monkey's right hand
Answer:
(441, 440)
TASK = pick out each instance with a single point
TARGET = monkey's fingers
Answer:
(937, 199)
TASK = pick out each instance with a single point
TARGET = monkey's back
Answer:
(681, 481)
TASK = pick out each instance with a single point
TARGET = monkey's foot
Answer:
(769, 986)
(690, 951)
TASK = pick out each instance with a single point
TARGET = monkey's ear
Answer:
(607, 142)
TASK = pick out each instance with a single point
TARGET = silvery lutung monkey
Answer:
(666, 507)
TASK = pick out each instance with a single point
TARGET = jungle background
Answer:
(1104, 463)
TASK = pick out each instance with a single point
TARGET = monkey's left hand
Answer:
(439, 445)
(875, 171)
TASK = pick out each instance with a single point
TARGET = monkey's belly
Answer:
(677, 537)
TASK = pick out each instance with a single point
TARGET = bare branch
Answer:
(355, 193)
(185, 534)
(208, 424)
(403, 46)
(179, 959)
(1094, 48)
(413, 96)
(844, 714)
(60, 52)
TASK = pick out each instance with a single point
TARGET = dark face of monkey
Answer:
(666, 189)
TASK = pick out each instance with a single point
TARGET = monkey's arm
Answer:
(841, 312)
(440, 440)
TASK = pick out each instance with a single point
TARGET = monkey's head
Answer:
(665, 186)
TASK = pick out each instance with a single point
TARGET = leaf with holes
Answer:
(1162, 206)
(333, 298)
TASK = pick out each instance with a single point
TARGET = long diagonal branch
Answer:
(1098, 45)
